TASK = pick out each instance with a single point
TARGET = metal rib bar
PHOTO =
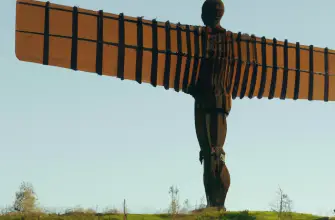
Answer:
(74, 44)
(154, 63)
(121, 48)
(326, 92)
(179, 59)
(188, 61)
(139, 51)
(311, 75)
(254, 71)
(239, 66)
(274, 70)
(99, 53)
(167, 69)
(263, 77)
(285, 73)
(297, 72)
(46, 44)
(246, 72)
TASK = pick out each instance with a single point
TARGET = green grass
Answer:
(199, 215)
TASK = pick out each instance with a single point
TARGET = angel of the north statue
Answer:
(210, 63)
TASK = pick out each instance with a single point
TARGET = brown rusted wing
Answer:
(130, 48)
(275, 69)
(168, 54)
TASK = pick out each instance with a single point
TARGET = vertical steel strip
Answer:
(264, 68)
(154, 63)
(239, 66)
(326, 91)
(246, 71)
(218, 61)
(285, 73)
(255, 68)
(215, 57)
(204, 52)
(274, 69)
(121, 48)
(139, 50)
(179, 59)
(231, 61)
(74, 44)
(196, 56)
(46, 34)
(311, 73)
(223, 68)
(204, 35)
(225, 61)
(297, 71)
(167, 69)
(100, 44)
(189, 57)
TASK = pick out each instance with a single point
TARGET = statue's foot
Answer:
(219, 208)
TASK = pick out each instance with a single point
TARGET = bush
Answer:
(26, 199)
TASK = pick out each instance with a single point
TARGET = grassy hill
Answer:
(199, 215)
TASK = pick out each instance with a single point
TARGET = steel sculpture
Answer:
(210, 63)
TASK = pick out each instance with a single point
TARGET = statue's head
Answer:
(212, 12)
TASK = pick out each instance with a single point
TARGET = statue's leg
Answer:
(200, 121)
(225, 179)
(211, 128)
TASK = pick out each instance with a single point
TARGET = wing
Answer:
(163, 54)
(278, 69)
(167, 54)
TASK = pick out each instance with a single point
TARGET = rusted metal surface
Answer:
(128, 48)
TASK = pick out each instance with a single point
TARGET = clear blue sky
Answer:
(86, 140)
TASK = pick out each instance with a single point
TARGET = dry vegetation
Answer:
(25, 208)
(196, 215)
